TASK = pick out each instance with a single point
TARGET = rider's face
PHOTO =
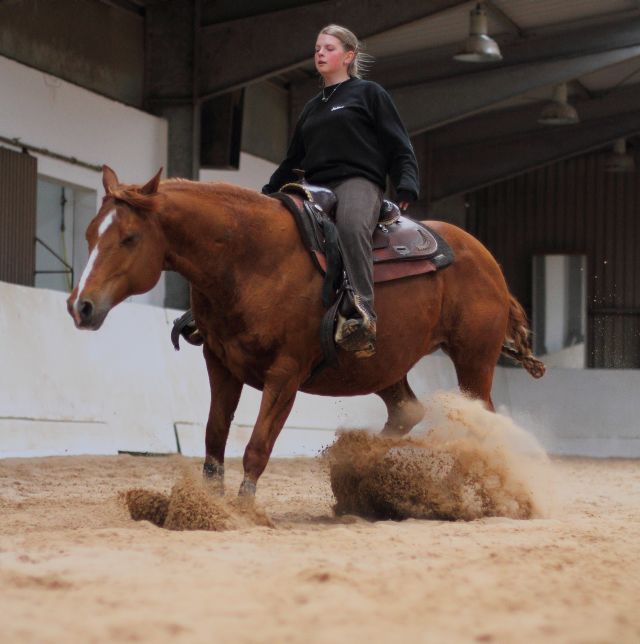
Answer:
(330, 56)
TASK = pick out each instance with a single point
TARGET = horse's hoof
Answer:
(392, 431)
(212, 470)
(213, 475)
(247, 489)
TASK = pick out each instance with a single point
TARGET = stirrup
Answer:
(185, 326)
(356, 335)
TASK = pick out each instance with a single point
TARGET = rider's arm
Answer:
(403, 167)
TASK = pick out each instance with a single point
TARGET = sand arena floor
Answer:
(74, 567)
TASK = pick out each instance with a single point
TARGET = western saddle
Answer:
(401, 246)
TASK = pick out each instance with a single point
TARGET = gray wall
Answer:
(265, 123)
(91, 44)
(573, 207)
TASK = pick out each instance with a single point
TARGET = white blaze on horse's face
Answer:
(104, 226)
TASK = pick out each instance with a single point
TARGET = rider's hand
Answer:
(403, 205)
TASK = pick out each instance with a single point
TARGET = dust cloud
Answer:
(471, 464)
(191, 505)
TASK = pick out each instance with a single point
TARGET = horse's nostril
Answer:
(85, 310)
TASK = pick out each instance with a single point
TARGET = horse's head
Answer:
(127, 250)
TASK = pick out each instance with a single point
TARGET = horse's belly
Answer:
(357, 377)
(399, 347)
(409, 328)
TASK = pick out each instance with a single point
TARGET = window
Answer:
(62, 215)
(559, 309)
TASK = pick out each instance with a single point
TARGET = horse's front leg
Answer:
(278, 395)
(225, 394)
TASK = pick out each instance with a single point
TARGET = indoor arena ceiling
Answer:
(174, 56)
(531, 31)
(463, 109)
(414, 46)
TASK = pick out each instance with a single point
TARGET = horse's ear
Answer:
(109, 178)
(151, 187)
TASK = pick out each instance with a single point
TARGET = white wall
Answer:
(555, 293)
(253, 173)
(50, 113)
(64, 391)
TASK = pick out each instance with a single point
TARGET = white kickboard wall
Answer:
(124, 388)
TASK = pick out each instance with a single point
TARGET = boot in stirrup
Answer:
(356, 330)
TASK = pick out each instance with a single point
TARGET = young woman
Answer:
(350, 138)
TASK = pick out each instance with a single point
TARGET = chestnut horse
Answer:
(255, 295)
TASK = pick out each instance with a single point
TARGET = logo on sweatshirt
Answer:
(337, 107)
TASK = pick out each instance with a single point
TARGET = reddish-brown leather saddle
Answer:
(402, 247)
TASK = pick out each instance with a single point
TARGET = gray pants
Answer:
(358, 210)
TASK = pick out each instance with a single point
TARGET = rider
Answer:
(349, 138)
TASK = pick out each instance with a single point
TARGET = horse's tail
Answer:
(517, 345)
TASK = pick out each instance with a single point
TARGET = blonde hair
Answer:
(361, 61)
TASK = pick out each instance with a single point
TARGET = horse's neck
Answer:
(207, 240)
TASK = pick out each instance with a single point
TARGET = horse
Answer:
(255, 296)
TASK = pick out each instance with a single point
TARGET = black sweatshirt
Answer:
(356, 133)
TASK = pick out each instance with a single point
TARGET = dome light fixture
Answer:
(558, 111)
(479, 47)
(619, 160)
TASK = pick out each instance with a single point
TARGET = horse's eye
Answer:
(130, 240)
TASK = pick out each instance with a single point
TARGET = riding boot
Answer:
(356, 326)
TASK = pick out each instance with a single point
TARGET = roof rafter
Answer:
(498, 145)
(269, 45)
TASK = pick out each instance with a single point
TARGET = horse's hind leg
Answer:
(403, 408)
(475, 380)
(475, 355)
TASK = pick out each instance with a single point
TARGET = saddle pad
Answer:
(389, 270)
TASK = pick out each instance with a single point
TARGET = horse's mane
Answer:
(132, 195)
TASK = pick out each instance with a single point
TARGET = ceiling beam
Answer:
(504, 144)
(486, 128)
(128, 5)
(433, 92)
(435, 64)
(237, 52)
(504, 18)
(425, 107)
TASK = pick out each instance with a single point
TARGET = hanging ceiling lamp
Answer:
(558, 111)
(479, 47)
(619, 160)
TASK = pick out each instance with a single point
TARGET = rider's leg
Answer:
(357, 214)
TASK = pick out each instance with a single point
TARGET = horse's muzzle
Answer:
(86, 314)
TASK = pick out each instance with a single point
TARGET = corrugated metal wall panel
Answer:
(18, 185)
(573, 207)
